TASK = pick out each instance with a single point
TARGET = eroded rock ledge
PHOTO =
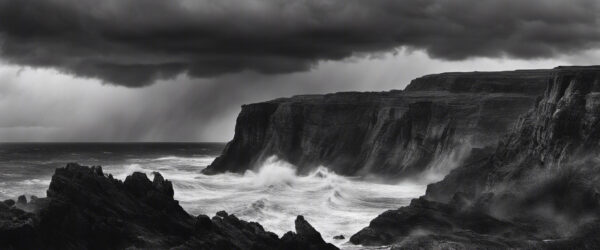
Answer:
(87, 209)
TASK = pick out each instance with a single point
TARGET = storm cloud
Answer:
(43, 105)
(136, 42)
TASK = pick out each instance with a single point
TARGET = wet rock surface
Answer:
(86, 209)
(306, 237)
(538, 190)
(434, 123)
(428, 224)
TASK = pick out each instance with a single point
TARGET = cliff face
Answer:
(433, 124)
(86, 209)
(560, 132)
(541, 181)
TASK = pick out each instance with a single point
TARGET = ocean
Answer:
(272, 195)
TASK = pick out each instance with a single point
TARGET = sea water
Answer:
(273, 194)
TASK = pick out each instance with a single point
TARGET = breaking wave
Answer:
(274, 195)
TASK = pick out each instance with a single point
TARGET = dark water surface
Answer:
(26, 168)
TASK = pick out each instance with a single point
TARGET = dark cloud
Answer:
(135, 42)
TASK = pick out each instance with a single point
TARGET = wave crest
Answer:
(274, 173)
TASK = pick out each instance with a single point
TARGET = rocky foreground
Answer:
(87, 209)
(433, 124)
(540, 189)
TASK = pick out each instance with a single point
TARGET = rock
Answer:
(305, 230)
(339, 237)
(22, 200)
(229, 232)
(306, 237)
(423, 217)
(222, 214)
(396, 134)
(161, 184)
(138, 183)
(97, 170)
(84, 209)
(538, 190)
(203, 222)
(9, 202)
(16, 228)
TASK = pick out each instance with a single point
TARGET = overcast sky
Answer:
(155, 70)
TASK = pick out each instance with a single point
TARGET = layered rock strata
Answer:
(434, 124)
(539, 190)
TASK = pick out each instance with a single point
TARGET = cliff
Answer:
(86, 209)
(432, 125)
(488, 82)
(560, 132)
(538, 190)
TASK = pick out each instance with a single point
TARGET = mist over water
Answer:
(273, 195)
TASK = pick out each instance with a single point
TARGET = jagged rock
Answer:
(203, 222)
(560, 132)
(222, 214)
(339, 237)
(391, 134)
(9, 203)
(84, 209)
(541, 183)
(306, 237)
(423, 217)
(22, 200)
